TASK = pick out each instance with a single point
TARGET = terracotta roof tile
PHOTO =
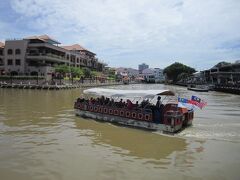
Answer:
(2, 45)
(46, 37)
(75, 47)
(43, 38)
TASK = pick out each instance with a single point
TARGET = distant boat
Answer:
(198, 88)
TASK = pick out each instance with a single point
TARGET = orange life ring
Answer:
(91, 108)
(95, 109)
(134, 115)
(140, 116)
(128, 114)
(122, 112)
(116, 112)
(148, 117)
(106, 110)
(110, 111)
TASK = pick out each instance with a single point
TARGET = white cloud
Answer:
(144, 30)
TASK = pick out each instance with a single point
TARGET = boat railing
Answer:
(138, 114)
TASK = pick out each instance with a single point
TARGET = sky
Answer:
(125, 33)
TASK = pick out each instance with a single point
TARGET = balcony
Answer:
(47, 56)
(46, 45)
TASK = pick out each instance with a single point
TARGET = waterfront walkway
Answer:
(56, 86)
(227, 88)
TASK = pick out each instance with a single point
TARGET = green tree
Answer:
(87, 72)
(175, 69)
(95, 73)
(182, 76)
(62, 69)
(110, 73)
(76, 72)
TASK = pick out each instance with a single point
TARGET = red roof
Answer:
(75, 47)
(43, 38)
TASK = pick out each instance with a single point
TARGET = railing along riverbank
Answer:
(56, 85)
(227, 88)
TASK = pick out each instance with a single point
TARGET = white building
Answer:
(130, 72)
(153, 75)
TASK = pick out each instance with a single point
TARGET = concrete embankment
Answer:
(58, 86)
(227, 88)
(233, 89)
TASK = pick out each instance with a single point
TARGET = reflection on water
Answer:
(41, 138)
(138, 143)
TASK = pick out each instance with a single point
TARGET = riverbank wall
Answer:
(226, 88)
(233, 89)
(30, 84)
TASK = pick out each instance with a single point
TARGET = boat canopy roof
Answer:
(127, 93)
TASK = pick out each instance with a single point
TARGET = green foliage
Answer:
(111, 78)
(76, 71)
(182, 76)
(96, 73)
(111, 74)
(175, 69)
(87, 72)
(62, 69)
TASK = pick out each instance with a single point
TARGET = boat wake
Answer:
(222, 132)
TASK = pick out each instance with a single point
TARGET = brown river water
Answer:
(41, 138)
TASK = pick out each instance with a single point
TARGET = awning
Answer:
(127, 93)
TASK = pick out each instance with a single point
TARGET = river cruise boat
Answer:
(109, 105)
(198, 88)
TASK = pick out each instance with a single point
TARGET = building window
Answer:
(18, 62)
(17, 51)
(10, 51)
(1, 52)
(10, 62)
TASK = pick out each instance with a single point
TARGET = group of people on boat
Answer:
(128, 104)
